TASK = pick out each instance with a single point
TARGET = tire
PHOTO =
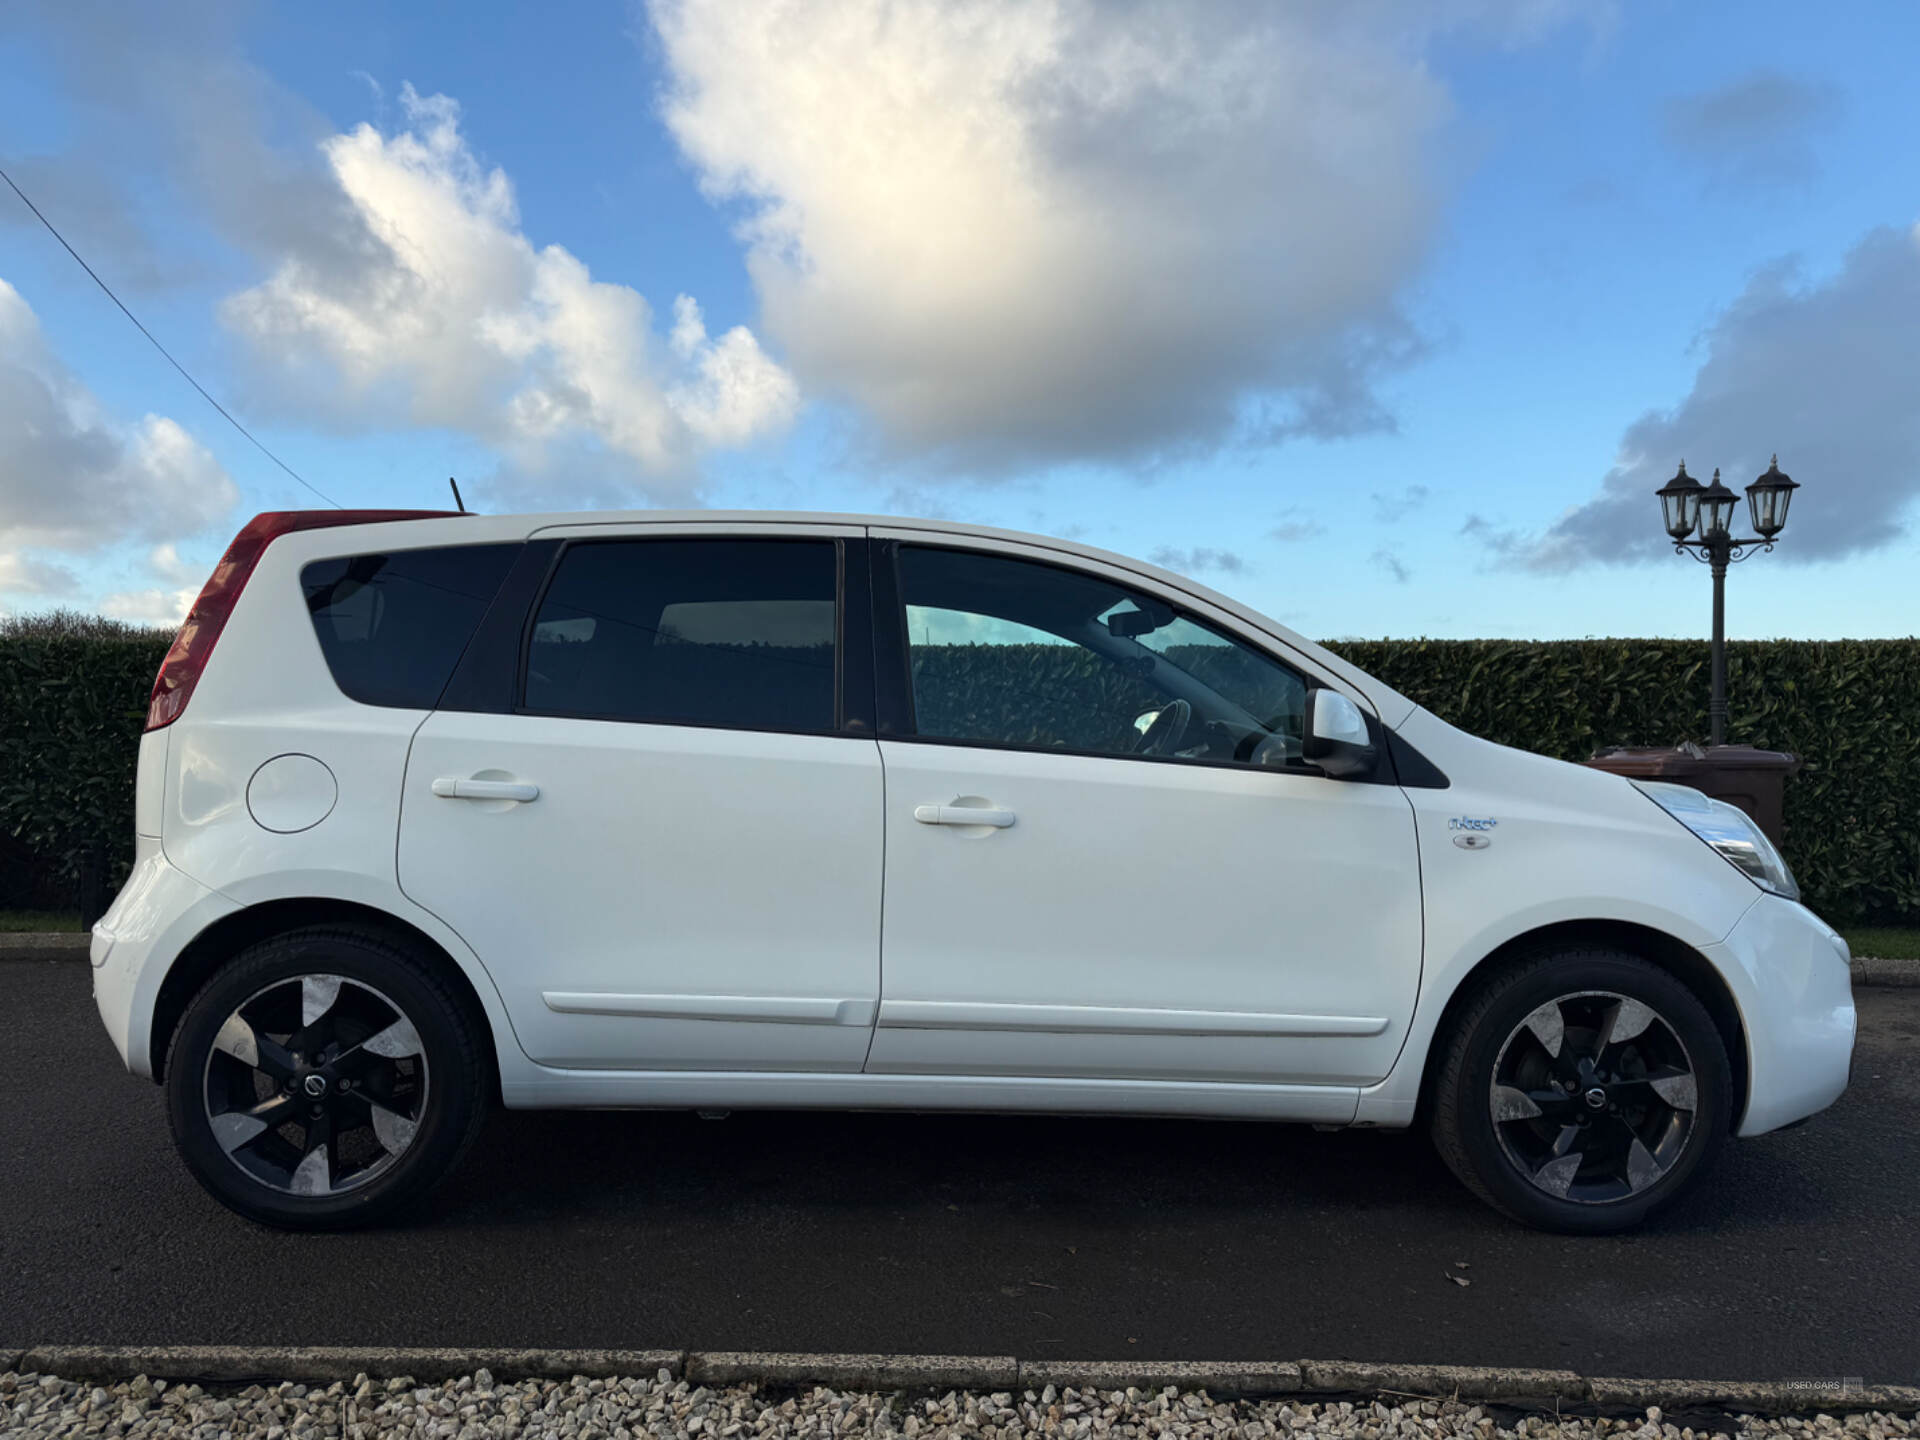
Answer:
(1511, 1112)
(325, 1078)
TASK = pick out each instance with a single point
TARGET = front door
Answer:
(1104, 856)
(668, 853)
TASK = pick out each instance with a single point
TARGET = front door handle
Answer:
(962, 815)
(453, 788)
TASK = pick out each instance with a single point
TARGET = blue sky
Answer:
(1389, 328)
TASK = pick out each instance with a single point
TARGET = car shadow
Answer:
(542, 1168)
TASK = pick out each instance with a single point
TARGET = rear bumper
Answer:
(1789, 974)
(157, 912)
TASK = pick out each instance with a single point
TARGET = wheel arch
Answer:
(227, 936)
(1679, 959)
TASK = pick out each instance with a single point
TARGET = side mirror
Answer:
(1337, 739)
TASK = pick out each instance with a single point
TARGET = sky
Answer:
(1387, 320)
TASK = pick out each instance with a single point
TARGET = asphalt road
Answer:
(1044, 1238)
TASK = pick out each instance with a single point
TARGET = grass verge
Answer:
(1885, 943)
(18, 922)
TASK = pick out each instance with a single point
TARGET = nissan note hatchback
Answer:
(740, 810)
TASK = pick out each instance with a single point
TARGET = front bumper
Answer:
(135, 943)
(1791, 980)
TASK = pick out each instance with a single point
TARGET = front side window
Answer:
(734, 633)
(1014, 652)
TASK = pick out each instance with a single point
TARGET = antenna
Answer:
(456, 494)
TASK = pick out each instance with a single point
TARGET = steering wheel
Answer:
(1168, 729)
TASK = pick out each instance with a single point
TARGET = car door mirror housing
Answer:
(1337, 738)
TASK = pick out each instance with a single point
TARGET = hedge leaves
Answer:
(73, 699)
(1849, 708)
(73, 693)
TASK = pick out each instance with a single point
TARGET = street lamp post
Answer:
(1684, 504)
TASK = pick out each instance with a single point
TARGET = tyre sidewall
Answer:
(1621, 974)
(451, 1087)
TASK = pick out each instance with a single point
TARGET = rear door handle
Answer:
(452, 788)
(962, 815)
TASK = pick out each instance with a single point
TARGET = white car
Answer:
(714, 810)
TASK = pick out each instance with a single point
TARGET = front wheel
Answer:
(1580, 1090)
(324, 1078)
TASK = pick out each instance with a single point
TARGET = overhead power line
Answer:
(108, 290)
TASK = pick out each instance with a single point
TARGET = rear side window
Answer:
(392, 626)
(732, 633)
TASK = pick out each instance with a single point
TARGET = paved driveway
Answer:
(1075, 1239)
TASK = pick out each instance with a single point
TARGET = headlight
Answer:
(1727, 829)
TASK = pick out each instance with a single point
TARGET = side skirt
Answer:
(546, 1088)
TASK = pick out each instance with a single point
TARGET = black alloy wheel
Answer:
(316, 1084)
(1579, 1089)
(327, 1078)
(1593, 1097)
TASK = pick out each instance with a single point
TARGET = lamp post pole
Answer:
(1717, 703)
(1686, 503)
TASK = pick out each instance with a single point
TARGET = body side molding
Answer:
(1111, 1020)
(775, 1009)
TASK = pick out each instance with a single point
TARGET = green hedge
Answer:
(991, 692)
(73, 691)
(1849, 708)
(73, 698)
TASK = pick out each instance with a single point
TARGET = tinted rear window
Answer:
(392, 626)
(736, 633)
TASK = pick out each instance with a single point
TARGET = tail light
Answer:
(188, 655)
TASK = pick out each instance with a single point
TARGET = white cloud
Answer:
(456, 320)
(33, 575)
(163, 96)
(1755, 131)
(1392, 565)
(149, 607)
(1192, 562)
(733, 387)
(164, 604)
(167, 564)
(74, 482)
(1065, 229)
(1390, 509)
(1296, 526)
(1823, 372)
(1070, 229)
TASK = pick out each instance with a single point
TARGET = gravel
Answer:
(477, 1405)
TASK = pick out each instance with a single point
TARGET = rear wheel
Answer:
(323, 1079)
(1580, 1090)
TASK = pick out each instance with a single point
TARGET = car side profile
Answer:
(731, 810)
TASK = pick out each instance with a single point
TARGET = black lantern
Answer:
(1717, 504)
(1680, 503)
(1768, 499)
(1685, 502)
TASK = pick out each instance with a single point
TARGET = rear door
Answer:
(662, 833)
